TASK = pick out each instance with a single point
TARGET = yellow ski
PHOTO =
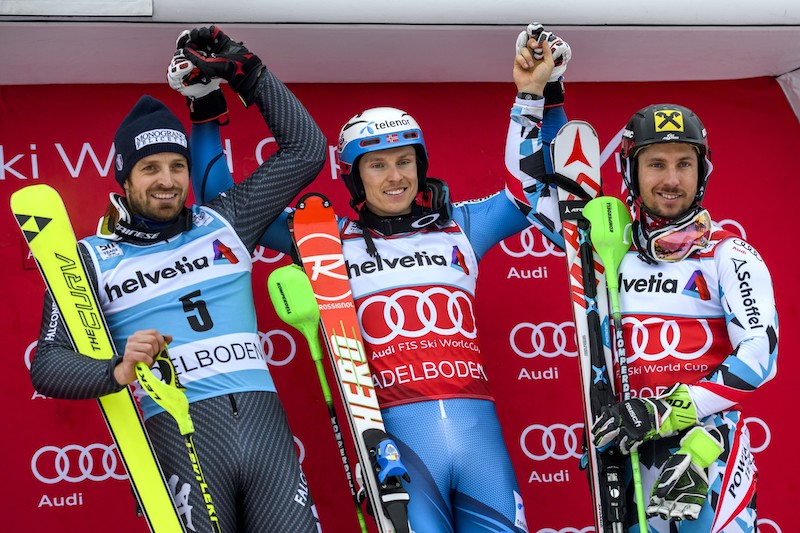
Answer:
(45, 224)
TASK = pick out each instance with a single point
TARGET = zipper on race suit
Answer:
(234, 406)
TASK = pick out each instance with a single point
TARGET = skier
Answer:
(700, 328)
(425, 354)
(168, 274)
(714, 294)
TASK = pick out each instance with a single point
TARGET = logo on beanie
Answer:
(160, 136)
(119, 162)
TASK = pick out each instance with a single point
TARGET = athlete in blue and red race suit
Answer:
(413, 251)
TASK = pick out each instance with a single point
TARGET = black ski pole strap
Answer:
(563, 182)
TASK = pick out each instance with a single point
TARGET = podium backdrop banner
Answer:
(60, 468)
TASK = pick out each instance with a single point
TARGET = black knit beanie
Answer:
(150, 128)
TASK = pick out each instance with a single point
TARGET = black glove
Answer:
(217, 56)
(203, 95)
(634, 421)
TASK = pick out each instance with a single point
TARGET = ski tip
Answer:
(31, 195)
(313, 199)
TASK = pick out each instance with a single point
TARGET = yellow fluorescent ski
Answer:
(44, 222)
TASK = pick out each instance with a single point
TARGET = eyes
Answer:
(381, 165)
(155, 167)
(658, 164)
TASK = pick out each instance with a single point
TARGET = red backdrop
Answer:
(62, 135)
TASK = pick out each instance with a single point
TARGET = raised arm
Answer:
(254, 203)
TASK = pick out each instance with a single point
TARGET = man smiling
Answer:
(170, 274)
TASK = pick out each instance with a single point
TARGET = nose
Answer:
(673, 175)
(165, 178)
(394, 173)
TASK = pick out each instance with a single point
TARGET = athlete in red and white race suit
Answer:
(412, 259)
(700, 329)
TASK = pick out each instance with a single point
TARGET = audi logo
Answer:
(547, 339)
(587, 529)
(668, 341)
(301, 449)
(29, 353)
(558, 441)
(265, 255)
(74, 463)
(274, 356)
(525, 243)
(737, 229)
(774, 528)
(412, 314)
(749, 422)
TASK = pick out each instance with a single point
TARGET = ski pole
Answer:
(170, 396)
(295, 303)
(610, 232)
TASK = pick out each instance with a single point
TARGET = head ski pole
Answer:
(295, 304)
(170, 396)
(610, 234)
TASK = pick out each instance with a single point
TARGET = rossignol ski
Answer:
(576, 162)
(44, 222)
(319, 246)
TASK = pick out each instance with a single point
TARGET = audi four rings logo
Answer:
(547, 339)
(737, 228)
(301, 449)
(558, 441)
(773, 527)
(413, 314)
(587, 529)
(273, 355)
(749, 422)
(29, 353)
(562, 441)
(75, 463)
(527, 245)
(265, 255)
(669, 339)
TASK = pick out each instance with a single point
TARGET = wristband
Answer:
(529, 96)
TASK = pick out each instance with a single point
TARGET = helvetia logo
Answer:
(142, 280)
(419, 259)
(697, 287)
(458, 261)
(223, 254)
(655, 283)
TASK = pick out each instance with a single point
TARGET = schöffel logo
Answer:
(142, 280)
(158, 137)
(408, 261)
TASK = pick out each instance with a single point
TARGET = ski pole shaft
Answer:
(294, 301)
(170, 396)
(337, 429)
(626, 395)
(610, 223)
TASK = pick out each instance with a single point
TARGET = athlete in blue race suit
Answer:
(410, 248)
(165, 273)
